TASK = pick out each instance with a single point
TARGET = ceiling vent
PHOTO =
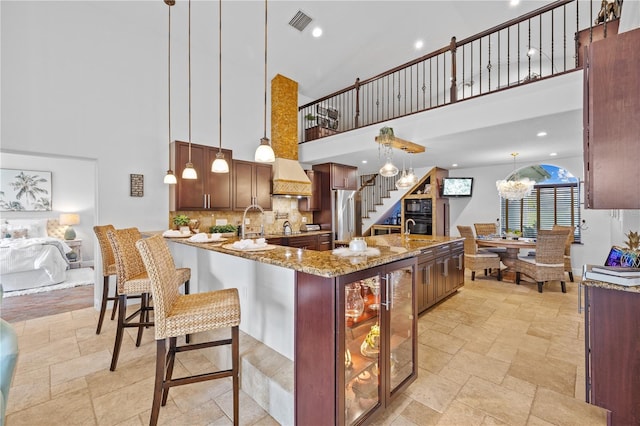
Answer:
(300, 21)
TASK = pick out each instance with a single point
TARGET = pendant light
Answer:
(264, 152)
(189, 172)
(514, 188)
(220, 165)
(385, 139)
(169, 178)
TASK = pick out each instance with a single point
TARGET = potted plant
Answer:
(181, 222)
(310, 120)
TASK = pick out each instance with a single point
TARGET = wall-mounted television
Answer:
(457, 186)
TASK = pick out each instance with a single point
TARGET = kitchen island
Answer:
(347, 366)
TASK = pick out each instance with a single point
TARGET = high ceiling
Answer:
(364, 38)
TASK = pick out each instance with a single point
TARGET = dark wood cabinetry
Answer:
(349, 381)
(612, 339)
(344, 177)
(211, 191)
(598, 32)
(440, 272)
(612, 122)
(251, 184)
(314, 202)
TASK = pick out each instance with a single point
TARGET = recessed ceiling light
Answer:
(317, 32)
(364, 161)
(553, 154)
(542, 134)
(454, 165)
(514, 2)
(418, 45)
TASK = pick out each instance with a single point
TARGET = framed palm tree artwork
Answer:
(25, 190)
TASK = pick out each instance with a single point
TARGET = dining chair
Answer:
(567, 248)
(548, 263)
(486, 230)
(178, 315)
(475, 259)
(108, 270)
(133, 281)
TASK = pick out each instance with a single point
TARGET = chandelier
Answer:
(514, 188)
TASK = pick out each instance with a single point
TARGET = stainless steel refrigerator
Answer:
(346, 217)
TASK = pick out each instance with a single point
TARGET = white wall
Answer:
(600, 231)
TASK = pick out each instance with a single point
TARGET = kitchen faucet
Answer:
(244, 216)
(406, 226)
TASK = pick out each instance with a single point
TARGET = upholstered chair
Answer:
(179, 315)
(475, 259)
(133, 281)
(548, 264)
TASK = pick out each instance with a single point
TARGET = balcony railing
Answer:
(543, 43)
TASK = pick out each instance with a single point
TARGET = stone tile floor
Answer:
(493, 354)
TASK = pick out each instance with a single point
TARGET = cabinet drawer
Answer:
(442, 250)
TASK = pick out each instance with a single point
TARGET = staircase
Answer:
(378, 194)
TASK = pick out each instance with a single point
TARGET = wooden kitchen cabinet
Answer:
(612, 122)
(344, 177)
(440, 273)
(426, 280)
(314, 202)
(251, 184)
(210, 191)
(612, 341)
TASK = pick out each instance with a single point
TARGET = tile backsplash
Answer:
(283, 209)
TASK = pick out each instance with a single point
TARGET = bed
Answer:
(29, 256)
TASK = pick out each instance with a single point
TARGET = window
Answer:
(555, 200)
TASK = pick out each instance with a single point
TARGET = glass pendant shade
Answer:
(189, 172)
(388, 170)
(264, 152)
(411, 177)
(220, 165)
(404, 182)
(170, 178)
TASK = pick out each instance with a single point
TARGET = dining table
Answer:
(513, 245)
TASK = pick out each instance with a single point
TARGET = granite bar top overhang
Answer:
(325, 264)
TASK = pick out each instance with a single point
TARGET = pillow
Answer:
(19, 233)
(36, 228)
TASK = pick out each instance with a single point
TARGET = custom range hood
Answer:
(288, 177)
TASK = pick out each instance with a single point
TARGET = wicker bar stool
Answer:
(178, 315)
(108, 270)
(475, 259)
(133, 281)
(548, 264)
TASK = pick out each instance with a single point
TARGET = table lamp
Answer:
(69, 219)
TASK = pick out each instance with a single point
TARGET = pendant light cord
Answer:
(189, 59)
(265, 69)
(169, 82)
(220, 78)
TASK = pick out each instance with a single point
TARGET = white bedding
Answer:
(45, 255)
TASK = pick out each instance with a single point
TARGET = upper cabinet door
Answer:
(612, 122)
(251, 184)
(190, 192)
(344, 177)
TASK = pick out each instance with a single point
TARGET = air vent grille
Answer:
(300, 21)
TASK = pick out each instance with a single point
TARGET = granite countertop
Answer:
(325, 264)
(611, 286)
